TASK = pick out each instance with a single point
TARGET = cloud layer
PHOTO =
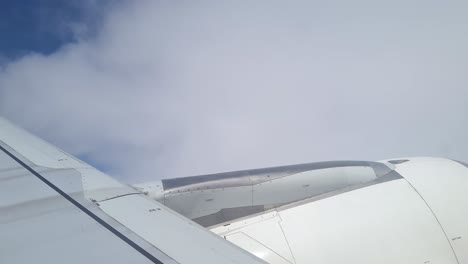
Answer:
(169, 89)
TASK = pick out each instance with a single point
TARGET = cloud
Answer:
(165, 89)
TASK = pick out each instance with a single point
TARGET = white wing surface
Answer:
(55, 208)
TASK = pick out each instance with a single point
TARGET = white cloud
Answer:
(170, 89)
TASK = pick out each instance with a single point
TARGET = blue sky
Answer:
(34, 26)
(43, 26)
(156, 89)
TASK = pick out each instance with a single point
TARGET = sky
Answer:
(146, 90)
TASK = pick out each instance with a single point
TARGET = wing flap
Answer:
(180, 238)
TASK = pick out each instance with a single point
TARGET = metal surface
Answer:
(256, 176)
(216, 198)
(399, 161)
(381, 223)
(415, 214)
(228, 214)
(183, 240)
(57, 209)
(391, 176)
(442, 184)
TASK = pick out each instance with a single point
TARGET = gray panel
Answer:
(462, 163)
(250, 177)
(391, 176)
(228, 214)
(216, 205)
(398, 161)
(309, 184)
(37, 225)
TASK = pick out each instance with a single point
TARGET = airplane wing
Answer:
(55, 208)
